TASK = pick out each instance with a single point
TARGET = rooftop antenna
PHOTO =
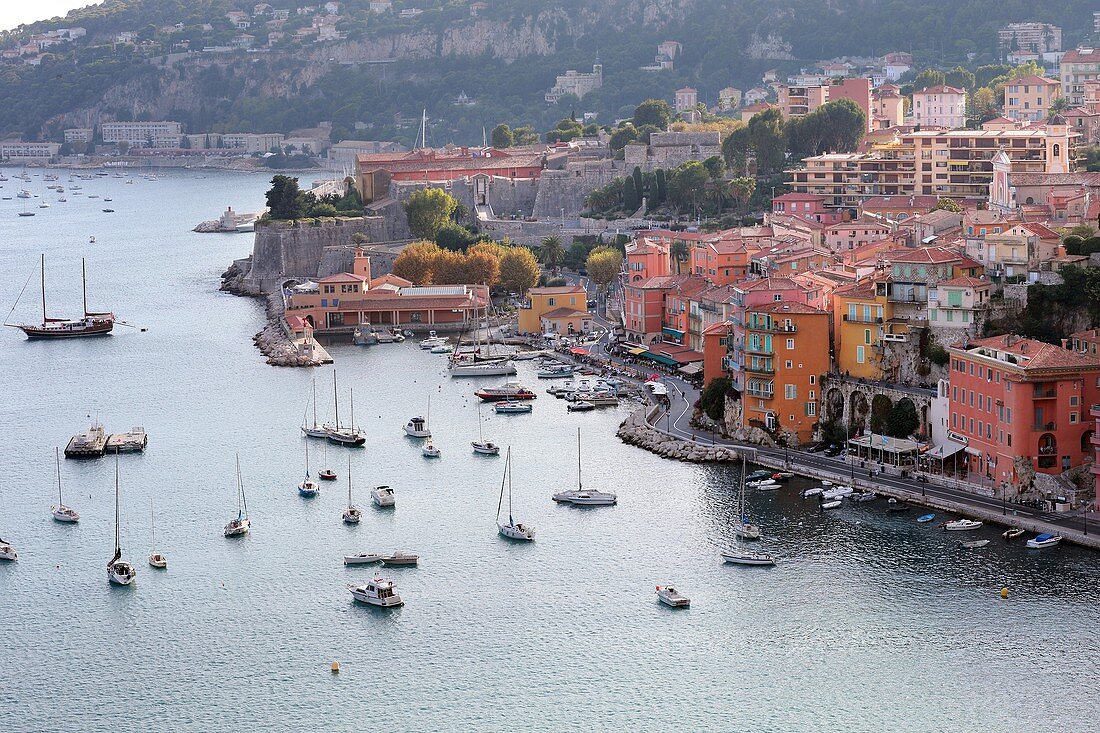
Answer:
(424, 128)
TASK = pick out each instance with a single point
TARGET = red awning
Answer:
(578, 351)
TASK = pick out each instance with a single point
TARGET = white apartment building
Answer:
(143, 134)
(940, 106)
(576, 83)
(19, 150)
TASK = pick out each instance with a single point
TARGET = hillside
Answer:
(146, 58)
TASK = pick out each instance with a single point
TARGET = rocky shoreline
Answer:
(635, 430)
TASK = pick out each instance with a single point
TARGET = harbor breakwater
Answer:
(636, 430)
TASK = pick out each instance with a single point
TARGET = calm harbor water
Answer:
(869, 623)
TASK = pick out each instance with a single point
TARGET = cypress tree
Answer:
(631, 199)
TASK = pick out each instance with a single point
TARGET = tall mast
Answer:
(507, 464)
(43, 268)
(509, 468)
(307, 459)
(579, 459)
(57, 459)
(315, 402)
(239, 512)
(84, 284)
(349, 480)
(336, 399)
(118, 549)
(351, 392)
(428, 415)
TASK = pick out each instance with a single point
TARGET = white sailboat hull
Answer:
(65, 515)
(516, 531)
(7, 552)
(747, 558)
(121, 573)
(483, 369)
(362, 559)
(314, 431)
(237, 528)
(586, 498)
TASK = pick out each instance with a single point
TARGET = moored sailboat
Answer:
(308, 487)
(337, 433)
(241, 524)
(513, 530)
(352, 514)
(316, 430)
(119, 571)
(156, 559)
(581, 496)
(62, 513)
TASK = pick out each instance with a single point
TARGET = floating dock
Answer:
(90, 443)
(133, 441)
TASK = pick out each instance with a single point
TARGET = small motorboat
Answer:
(831, 504)
(1013, 533)
(586, 497)
(864, 496)
(580, 406)
(383, 497)
(512, 408)
(7, 552)
(381, 592)
(362, 558)
(158, 561)
(925, 518)
(837, 492)
(442, 349)
(417, 427)
(428, 450)
(815, 491)
(961, 525)
(557, 371)
(326, 474)
(758, 475)
(1044, 540)
(401, 559)
(744, 557)
(974, 544)
(432, 341)
(762, 483)
(485, 448)
(782, 475)
(671, 597)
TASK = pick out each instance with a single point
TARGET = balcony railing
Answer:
(1043, 426)
(762, 394)
(759, 350)
(860, 319)
(759, 369)
(1040, 393)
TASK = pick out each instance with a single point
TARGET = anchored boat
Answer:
(92, 324)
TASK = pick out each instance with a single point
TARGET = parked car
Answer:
(816, 448)
(591, 303)
(832, 451)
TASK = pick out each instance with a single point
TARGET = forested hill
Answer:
(383, 67)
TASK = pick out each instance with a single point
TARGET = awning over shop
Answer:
(660, 358)
(691, 369)
(946, 450)
(973, 452)
(637, 351)
(579, 351)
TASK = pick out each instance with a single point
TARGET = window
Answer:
(813, 379)
(812, 396)
(777, 297)
(1073, 417)
(790, 343)
(551, 302)
(866, 335)
(859, 354)
(790, 391)
(811, 409)
(1073, 401)
(788, 364)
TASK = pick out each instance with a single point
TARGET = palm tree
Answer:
(552, 252)
(680, 253)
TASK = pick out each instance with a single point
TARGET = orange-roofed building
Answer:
(787, 353)
(1020, 405)
(646, 257)
(541, 301)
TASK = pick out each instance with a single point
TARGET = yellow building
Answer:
(566, 321)
(544, 300)
(863, 318)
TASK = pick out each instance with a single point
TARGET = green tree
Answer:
(551, 252)
(680, 252)
(982, 104)
(902, 420)
(928, 78)
(501, 136)
(604, 264)
(631, 199)
(284, 198)
(576, 255)
(639, 184)
(686, 184)
(960, 77)
(519, 270)
(655, 112)
(454, 237)
(712, 400)
(623, 135)
(946, 204)
(767, 141)
(660, 187)
(429, 210)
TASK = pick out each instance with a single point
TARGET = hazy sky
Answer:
(14, 12)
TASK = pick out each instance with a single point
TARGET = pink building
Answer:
(859, 91)
(1020, 405)
(849, 235)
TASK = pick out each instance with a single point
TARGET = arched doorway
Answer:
(834, 405)
(858, 409)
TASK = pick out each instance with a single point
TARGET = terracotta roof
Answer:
(923, 255)
(787, 307)
(1077, 55)
(1090, 335)
(857, 224)
(859, 290)
(1037, 354)
(1041, 230)
(387, 300)
(1056, 179)
(965, 282)
(566, 313)
(719, 328)
(343, 277)
(1033, 79)
(767, 283)
(391, 279)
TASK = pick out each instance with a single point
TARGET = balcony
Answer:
(1044, 393)
(1037, 427)
(861, 319)
(750, 369)
(760, 393)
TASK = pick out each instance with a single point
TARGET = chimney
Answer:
(1065, 343)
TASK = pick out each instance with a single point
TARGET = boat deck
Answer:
(78, 447)
(133, 441)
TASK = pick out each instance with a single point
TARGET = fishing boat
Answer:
(383, 497)
(1013, 533)
(401, 559)
(581, 496)
(511, 408)
(837, 492)
(961, 525)
(925, 518)
(428, 450)
(1042, 541)
(381, 592)
(513, 530)
(119, 571)
(351, 514)
(974, 544)
(481, 446)
(156, 559)
(432, 341)
(507, 392)
(314, 430)
(746, 557)
(241, 524)
(742, 527)
(337, 433)
(417, 427)
(669, 596)
(362, 558)
(62, 513)
(831, 504)
(92, 324)
(308, 487)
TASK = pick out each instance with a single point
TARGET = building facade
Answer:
(577, 83)
(143, 134)
(1029, 98)
(940, 106)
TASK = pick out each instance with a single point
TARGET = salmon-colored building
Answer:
(374, 171)
(1021, 406)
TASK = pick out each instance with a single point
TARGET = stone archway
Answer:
(858, 409)
(834, 405)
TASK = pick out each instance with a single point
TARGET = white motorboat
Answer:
(385, 336)
(119, 571)
(864, 496)
(814, 491)
(401, 559)
(557, 371)
(974, 544)
(241, 524)
(513, 530)
(156, 559)
(308, 488)
(432, 341)
(581, 496)
(580, 406)
(961, 525)
(442, 349)
(316, 430)
(351, 514)
(837, 492)
(669, 596)
(1012, 533)
(7, 552)
(62, 513)
(417, 427)
(428, 450)
(512, 408)
(831, 504)
(745, 557)
(1044, 540)
(381, 592)
(766, 485)
(383, 497)
(362, 558)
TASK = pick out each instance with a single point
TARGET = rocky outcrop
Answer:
(635, 430)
